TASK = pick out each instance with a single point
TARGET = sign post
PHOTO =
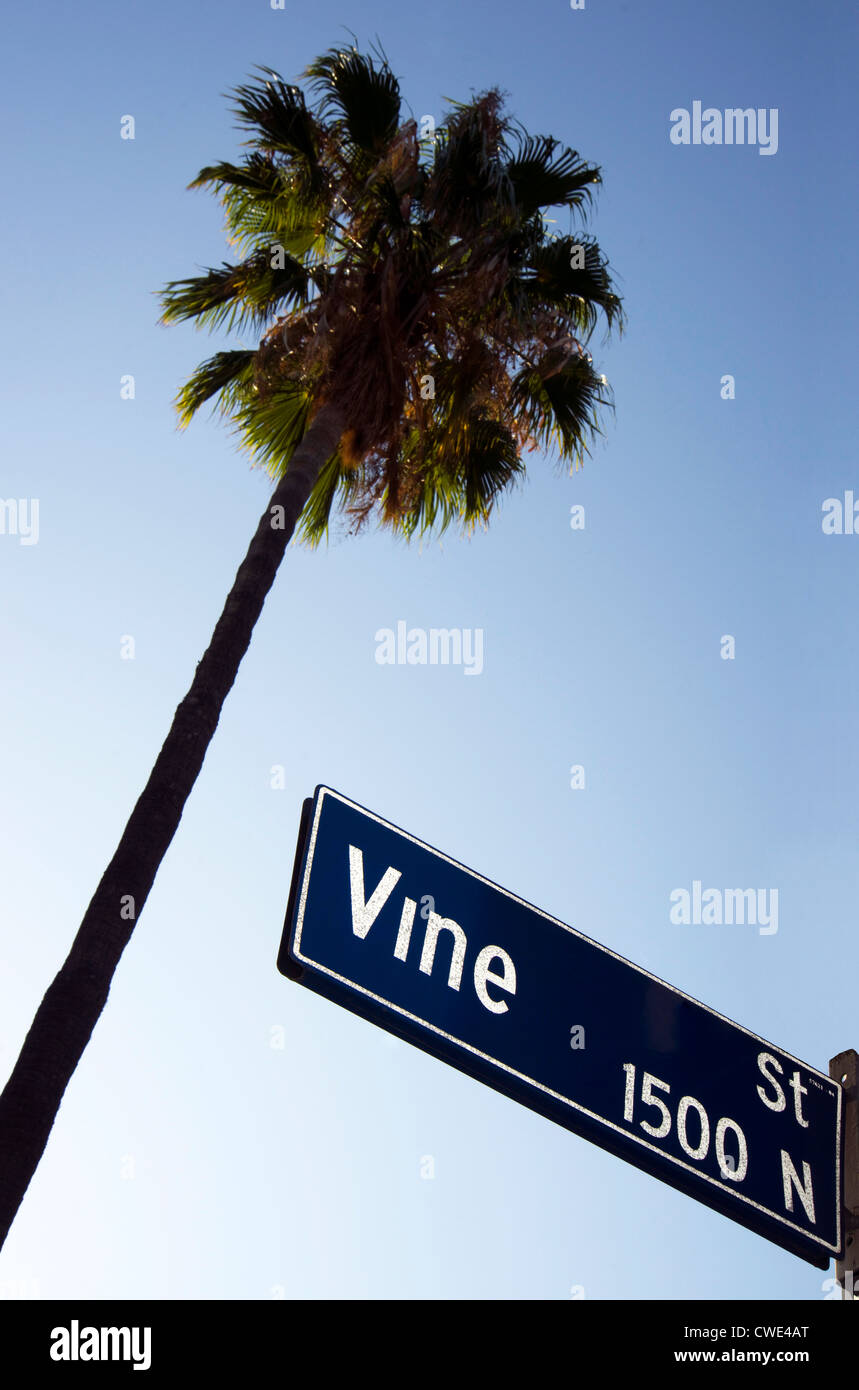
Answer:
(422, 946)
(844, 1069)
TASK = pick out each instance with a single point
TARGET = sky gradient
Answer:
(195, 1156)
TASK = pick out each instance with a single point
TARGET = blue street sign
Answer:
(425, 948)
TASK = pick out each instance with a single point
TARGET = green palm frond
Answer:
(545, 174)
(225, 374)
(362, 99)
(334, 482)
(271, 426)
(259, 176)
(554, 278)
(461, 381)
(237, 296)
(211, 299)
(267, 202)
(467, 177)
(462, 479)
(562, 410)
(488, 463)
(386, 204)
(274, 279)
(277, 115)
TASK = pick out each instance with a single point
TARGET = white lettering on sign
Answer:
(698, 1150)
(765, 1060)
(777, 1103)
(436, 924)
(404, 935)
(483, 976)
(732, 1168)
(364, 913)
(790, 1179)
(366, 910)
(798, 1092)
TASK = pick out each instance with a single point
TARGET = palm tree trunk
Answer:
(70, 1010)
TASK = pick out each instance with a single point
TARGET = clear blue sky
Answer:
(192, 1158)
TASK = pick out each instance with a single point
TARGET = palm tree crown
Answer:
(411, 281)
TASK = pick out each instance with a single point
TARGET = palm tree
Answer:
(417, 327)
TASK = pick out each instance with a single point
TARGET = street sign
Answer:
(429, 950)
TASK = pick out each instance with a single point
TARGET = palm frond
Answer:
(554, 278)
(212, 299)
(562, 409)
(259, 175)
(272, 425)
(237, 296)
(488, 463)
(277, 115)
(224, 374)
(362, 99)
(468, 177)
(267, 200)
(545, 173)
(333, 482)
